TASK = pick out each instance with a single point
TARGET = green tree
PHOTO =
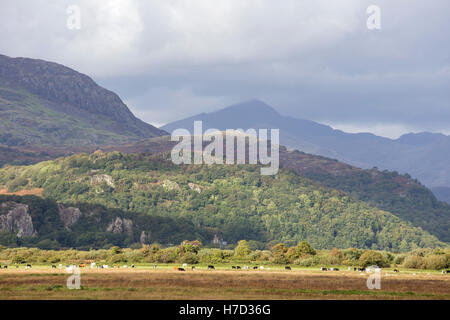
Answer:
(242, 250)
(372, 258)
(304, 249)
(116, 250)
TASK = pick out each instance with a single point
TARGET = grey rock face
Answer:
(69, 216)
(18, 221)
(121, 225)
(143, 239)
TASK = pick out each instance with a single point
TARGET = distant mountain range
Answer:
(45, 103)
(423, 155)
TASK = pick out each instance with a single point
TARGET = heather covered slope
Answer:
(235, 202)
(49, 104)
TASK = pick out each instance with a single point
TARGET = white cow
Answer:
(92, 265)
(261, 268)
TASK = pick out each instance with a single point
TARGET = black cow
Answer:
(211, 267)
(361, 269)
(445, 271)
(28, 265)
(53, 266)
(233, 267)
(5, 267)
(395, 270)
(323, 269)
(287, 268)
(181, 269)
(255, 268)
(193, 268)
(238, 267)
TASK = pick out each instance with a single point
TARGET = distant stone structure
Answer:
(219, 241)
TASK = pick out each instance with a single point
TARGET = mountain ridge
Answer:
(34, 94)
(423, 155)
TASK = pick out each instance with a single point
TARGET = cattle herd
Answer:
(209, 267)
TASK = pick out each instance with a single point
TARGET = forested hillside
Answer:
(400, 194)
(235, 202)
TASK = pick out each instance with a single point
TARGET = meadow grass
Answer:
(144, 282)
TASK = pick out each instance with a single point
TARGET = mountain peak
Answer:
(77, 110)
(253, 107)
(422, 138)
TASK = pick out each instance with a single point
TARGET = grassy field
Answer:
(144, 282)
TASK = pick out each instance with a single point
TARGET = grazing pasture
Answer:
(223, 282)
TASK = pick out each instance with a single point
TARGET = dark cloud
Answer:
(309, 59)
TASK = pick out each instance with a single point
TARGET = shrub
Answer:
(304, 249)
(352, 254)
(18, 259)
(372, 258)
(116, 250)
(242, 250)
(307, 262)
(17, 183)
(435, 262)
(117, 258)
(190, 258)
(327, 259)
(413, 261)
(399, 259)
(279, 259)
(211, 255)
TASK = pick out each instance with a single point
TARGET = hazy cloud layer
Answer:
(309, 59)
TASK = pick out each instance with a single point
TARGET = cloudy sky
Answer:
(314, 59)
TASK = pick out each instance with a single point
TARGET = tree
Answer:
(279, 252)
(242, 250)
(190, 258)
(372, 258)
(116, 250)
(279, 248)
(304, 249)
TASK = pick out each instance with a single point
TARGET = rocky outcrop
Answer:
(170, 185)
(99, 178)
(121, 225)
(69, 216)
(144, 238)
(18, 221)
(67, 91)
(195, 187)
